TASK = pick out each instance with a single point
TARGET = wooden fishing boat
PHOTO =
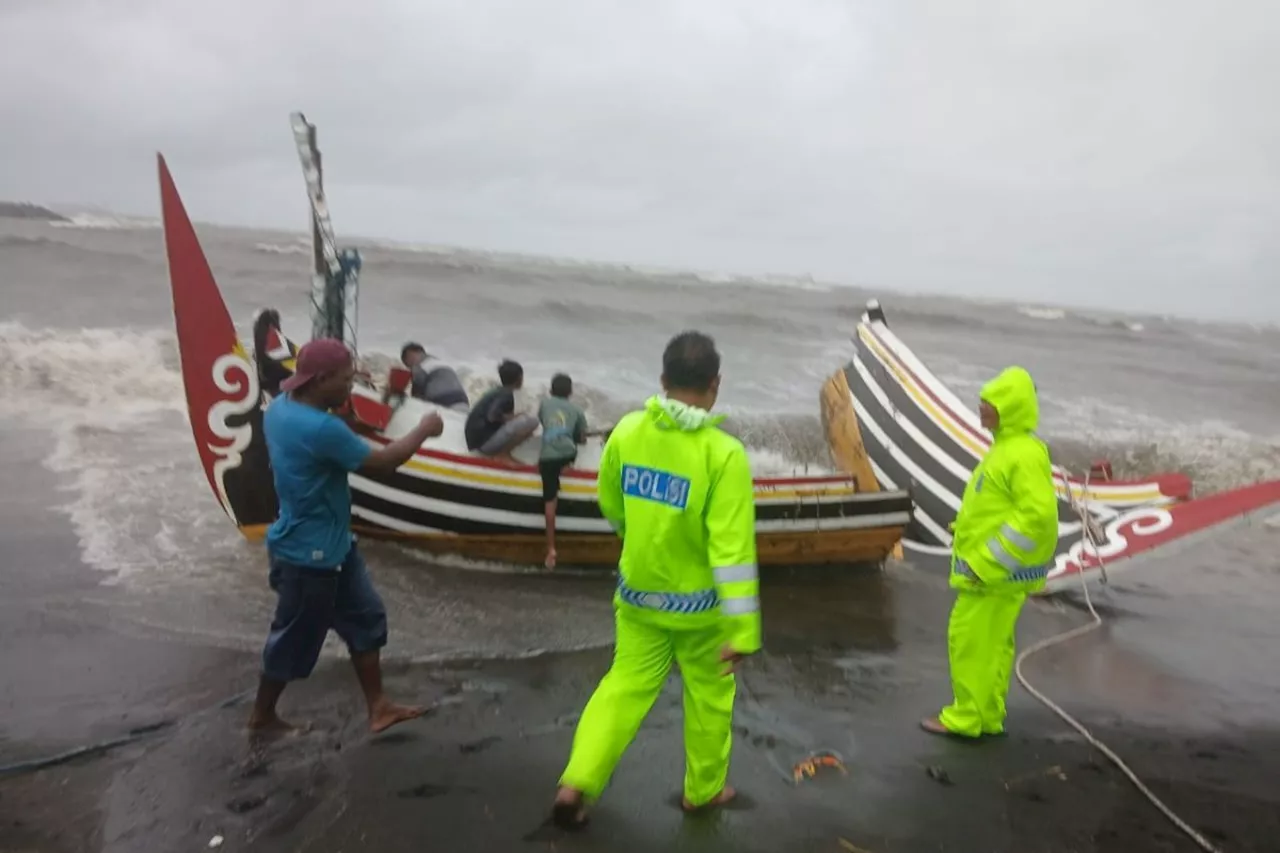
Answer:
(446, 499)
(893, 423)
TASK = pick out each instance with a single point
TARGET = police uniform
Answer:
(1006, 534)
(678, 491)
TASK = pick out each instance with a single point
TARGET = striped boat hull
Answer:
(916, 435)
(453, 502)
(448, 502)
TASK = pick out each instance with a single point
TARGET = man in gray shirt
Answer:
(433, 380)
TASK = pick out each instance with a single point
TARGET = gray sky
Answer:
(1078, 151)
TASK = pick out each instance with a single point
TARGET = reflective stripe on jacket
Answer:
(1006, 533)
(678, 491)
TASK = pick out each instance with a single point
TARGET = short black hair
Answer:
(690, 362)
(411, 347)
(561, 385)
(510, 372)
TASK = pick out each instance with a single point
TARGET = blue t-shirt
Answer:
(311, 454)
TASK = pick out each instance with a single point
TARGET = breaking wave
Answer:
(113, 405)
(111, 402)
(107, 222)
(1042, 313)
(300, 247)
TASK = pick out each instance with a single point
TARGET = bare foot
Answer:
(270, 725)
(390, 714)
(508, 460)
(569, 811)
(550, 562)
(726, 794)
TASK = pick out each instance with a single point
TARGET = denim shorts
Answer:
(310, 602)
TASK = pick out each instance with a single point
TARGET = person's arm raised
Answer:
(398, 452)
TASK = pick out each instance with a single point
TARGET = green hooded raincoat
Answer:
(1006, 534)
(678, 490)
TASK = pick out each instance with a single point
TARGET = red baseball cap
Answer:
(317, 358)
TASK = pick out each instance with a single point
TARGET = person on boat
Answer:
(494, 427)
(317, 572)
(433, 380)
(1005, 536)
(564, 427)
(679, 492)
(268, 352)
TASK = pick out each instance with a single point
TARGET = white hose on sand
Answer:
(1072, 721)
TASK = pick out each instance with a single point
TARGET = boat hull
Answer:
(445, 499)
(911, 432)
(447, 502)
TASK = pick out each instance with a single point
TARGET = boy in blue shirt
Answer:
(564, 427)
(317, 573)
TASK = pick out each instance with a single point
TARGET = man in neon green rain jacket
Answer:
(678, 491)
(1006, 534)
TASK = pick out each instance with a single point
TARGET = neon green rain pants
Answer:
(642, 660)
(980, 644)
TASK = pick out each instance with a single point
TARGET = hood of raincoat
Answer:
(1013, 394)
(672, 414)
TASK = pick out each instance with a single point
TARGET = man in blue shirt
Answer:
(317, 573)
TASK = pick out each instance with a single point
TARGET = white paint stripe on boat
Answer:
(765, 495)
(391, 523)
(961, 415)
(536, 522)
(920, 515)
(913, 432)
(932, 550)
(527, 520)
(903, 458)
(934, 487)
(959, 410)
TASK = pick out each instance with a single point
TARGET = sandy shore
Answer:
(477, 774)
(851, 667)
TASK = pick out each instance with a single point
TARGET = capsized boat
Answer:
(891, 421)
(446, 499)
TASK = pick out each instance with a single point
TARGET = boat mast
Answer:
(319, 268)
(336, 277)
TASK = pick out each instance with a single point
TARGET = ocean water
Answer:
(88, 358)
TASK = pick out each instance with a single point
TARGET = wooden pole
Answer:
(318, 255)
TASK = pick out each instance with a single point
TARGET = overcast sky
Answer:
(1123, 154)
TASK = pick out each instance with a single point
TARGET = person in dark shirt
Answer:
(493, 427)
(268, 352)
(433, 380)
(564, 427)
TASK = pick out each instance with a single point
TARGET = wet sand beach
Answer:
(853, 659)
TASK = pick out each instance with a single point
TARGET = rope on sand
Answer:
(1080, 509)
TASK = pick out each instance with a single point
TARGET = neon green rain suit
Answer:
(678, 491)
(1006, 534)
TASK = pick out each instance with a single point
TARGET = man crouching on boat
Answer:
(679, 493)
(1006, 534)
(317, 572)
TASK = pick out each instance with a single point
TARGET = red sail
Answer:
(221, 382)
